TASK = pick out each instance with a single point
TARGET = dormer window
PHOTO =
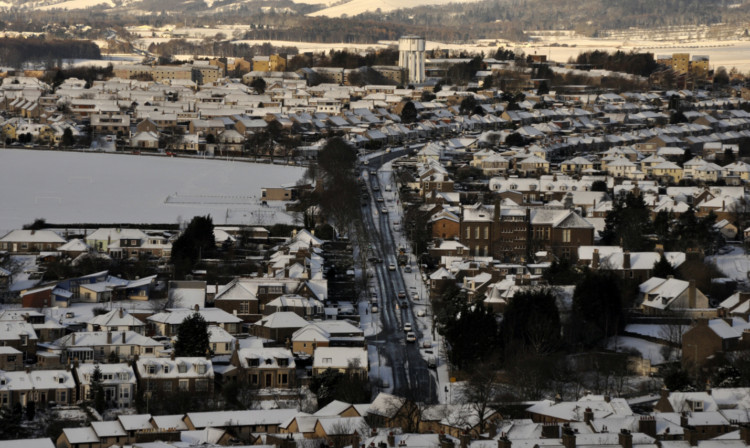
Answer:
(151, 369)
(253, 362)
(182, 367)
(201, 369)
(166, 369)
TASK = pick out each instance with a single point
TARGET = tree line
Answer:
(15, 52)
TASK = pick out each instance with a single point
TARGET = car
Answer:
(427, 343)
(432, 362)
(375, 188)
(411, 337)
(420, 313)
(407, 327)
(404, 304)
(374, 309)
(415, 295)
(407, 269)
(373, 259)
(384, 210)
(401, 294)
(392, 267)
(380, 199)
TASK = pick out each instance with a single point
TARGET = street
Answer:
(411, 376)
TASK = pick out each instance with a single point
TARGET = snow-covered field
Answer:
(355, 7)
(68, 187)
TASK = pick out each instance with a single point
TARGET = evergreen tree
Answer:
(409, 113)
(196, 241)
(97, 389)
(628, 223)
(192, 337)
(599, 301)
(10, 423)
(663, 269)
(531, 323)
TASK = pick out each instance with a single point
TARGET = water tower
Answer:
(411, 57)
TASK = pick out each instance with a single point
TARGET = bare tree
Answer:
(480, 392)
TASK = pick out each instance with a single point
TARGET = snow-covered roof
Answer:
(222, 419)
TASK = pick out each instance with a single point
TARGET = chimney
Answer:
(122, 313)
(391, 439)
(355, 440)
(503, 441)
(465, 439)
(708, 387)
(691, 435)
(607, 398)
(73, 339)
(691, 295)
(123, 337)
(684, 420)
(197, 308)
(496, 216)
(588, 416)
(550, 431)
(595, 259)
(625, 438)
(568, 437)
(745, 433)
(109, 337)
(626, 260)
(171, 355)
(647, 425)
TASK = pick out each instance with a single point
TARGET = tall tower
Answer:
(411, 57)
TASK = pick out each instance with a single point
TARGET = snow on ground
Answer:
(27, 265)
(648, 350)
(76, 4)
(68, 187)
(380, 373)
(653, 330)
(78, 313)
(735, 265)
(355, 7)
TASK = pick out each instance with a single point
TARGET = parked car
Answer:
(432, 362)
(392, 267)
(401, 294)
(407, 269)
(407, 327)
(411, 337)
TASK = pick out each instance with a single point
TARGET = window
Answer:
(566, 235)
(166, 369)
(201, 385)
(476, 232)
(167, 386)
(283, 378)
(486, 233)
(151, 369)
(184, 385)
(468, 232)
(254, 378)
(201, 369)
(182, 367)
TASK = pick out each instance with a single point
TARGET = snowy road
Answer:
(410, 374)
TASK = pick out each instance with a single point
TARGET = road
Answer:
(411, 376)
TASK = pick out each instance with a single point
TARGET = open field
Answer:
(68, 187)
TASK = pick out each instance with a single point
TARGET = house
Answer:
(279, 326)
(328, 333)
(668, 296)
(163, 376)
(31, 241)
(11, 359)
(39, 386)
(265, 367)
(348, 360)
(100, 346)
(243, 423)
(166, 323)
(710, 337)
(116, 320)
(118, 382)
(549, 411)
